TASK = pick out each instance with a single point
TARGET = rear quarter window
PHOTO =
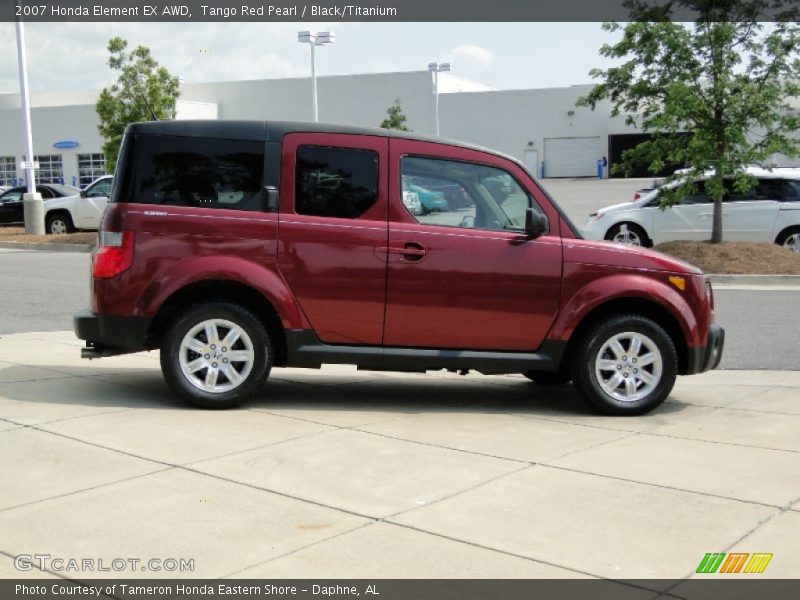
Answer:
(189, 171)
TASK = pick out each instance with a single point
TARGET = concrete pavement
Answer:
(338, 473)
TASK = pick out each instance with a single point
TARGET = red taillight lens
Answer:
(636, 196)
(114, 254)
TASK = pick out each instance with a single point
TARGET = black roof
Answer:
(273, 131)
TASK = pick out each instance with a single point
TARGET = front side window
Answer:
(791, 190)
(102, 189)
(199, 172)
(460, 194)
(335, 182)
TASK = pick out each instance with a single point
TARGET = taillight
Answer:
(636, 196)
(114, 254)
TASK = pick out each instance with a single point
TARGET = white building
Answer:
(541, 127)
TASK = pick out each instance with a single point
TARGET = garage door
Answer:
(571, 157)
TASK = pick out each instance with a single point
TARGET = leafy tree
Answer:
(143, 91)
(726, 77)
(395, 118)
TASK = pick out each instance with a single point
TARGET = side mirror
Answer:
(536, 223)
(83, 194)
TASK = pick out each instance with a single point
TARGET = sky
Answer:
(71, 56)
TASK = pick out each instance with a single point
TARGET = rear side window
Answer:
(199, 172)
(335, 182)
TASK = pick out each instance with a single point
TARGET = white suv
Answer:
(769, 212)
(83, 211)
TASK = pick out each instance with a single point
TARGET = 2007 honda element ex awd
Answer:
(236, 247)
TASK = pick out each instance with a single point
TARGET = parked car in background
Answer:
(768, 212)
(11, 206)
(81, 210)
(430, 200)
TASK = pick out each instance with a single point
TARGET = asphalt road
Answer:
(42, 290)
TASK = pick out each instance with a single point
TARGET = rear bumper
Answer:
(108, 335)
(705, 358)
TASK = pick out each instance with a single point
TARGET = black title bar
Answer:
(359, 10)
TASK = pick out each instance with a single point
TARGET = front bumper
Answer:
(705, 358)
(109, 335)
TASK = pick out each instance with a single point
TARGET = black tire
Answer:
(547, 378)
(634, 231)
(594, 340)
(171, 351)
(789, 232)
(58, 223)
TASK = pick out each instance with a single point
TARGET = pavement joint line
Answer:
(659, 485)
(733, 544)
(198, 472)
(475, 486)
(82, 490)
(62, 419)
(299, 549)
(694, 439)
(514, 554)
(253, 449)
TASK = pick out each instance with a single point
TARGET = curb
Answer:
(86, 248)
(755, 280)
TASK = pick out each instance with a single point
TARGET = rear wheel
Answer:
(628, 233)
(790, 239)
(59, 223)
(625, 365)
(216, 355)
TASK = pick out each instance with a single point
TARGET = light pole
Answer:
(33, 208)
(436, 68)
(314, 39)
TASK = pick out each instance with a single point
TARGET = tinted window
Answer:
(460, 194)
(764, 189)
(201, 172)
(335, 182)
(791, 190)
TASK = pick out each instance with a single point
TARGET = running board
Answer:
(304, 349)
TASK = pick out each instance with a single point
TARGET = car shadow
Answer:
(314, 391)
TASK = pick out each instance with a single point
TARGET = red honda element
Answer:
(236, 247)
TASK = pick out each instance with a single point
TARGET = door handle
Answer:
(410, 251)
(413, 251)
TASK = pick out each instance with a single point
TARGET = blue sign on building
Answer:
(66, 144)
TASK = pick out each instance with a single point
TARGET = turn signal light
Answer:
(678, 282)
(114, 254)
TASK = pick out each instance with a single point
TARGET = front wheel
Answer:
(790, 239)
(216, 355)
(628, 233)
(625, 365)
(59, 223)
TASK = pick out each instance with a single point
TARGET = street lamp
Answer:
(33, 208)
(313, 39)
(436, 68)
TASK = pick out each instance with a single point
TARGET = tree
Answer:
(726, 77)
(143, 91)
(395, 118)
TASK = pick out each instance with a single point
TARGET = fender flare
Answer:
(625, 287)
(263, 280)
